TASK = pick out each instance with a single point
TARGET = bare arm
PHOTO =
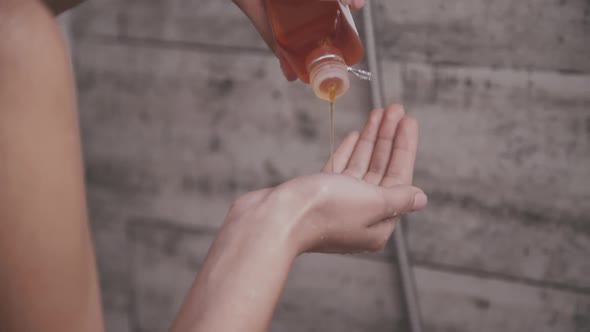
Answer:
(48, 277)
(242, 278)
(352, 211)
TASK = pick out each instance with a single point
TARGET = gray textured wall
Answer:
(183, 109)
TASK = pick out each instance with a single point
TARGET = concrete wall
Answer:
(183, 108)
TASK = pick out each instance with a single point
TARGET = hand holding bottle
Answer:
(256, 12)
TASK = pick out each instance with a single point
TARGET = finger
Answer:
(385, 137)
(342, 153)
(403, 157)
(355, 4)
(361, 156)
(402, 199)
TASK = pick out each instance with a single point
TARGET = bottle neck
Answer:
(324, 58)
(328, 75)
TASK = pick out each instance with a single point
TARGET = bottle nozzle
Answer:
(362, 74)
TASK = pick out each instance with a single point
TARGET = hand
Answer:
(256, 12)
(355, 209)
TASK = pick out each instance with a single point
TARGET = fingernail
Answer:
(420, 201)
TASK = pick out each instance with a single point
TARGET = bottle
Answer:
(318, 38)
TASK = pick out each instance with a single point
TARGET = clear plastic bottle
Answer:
(319, 40)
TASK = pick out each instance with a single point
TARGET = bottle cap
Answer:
(328, 76)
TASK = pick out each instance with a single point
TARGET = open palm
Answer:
(354, 208)
(383, 153)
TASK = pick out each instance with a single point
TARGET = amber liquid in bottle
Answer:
(307, 29)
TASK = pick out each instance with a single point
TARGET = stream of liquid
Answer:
(332, 96)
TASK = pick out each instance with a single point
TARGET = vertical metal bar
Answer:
(371, 54)
(407, 280)
(405, 270)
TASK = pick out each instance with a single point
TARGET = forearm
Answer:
(242, 278)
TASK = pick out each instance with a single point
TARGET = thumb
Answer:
(403, 199)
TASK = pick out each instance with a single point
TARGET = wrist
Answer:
(248, 262)
(267, 224)
(291, 209)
